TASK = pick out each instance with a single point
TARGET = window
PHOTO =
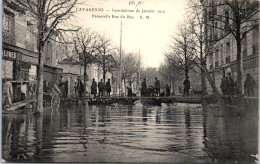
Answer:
(228, 52)
(216, 31)
(7, 69)
(228, 49)
(244, 45)
(216, 58)
(226, 20)
(221, 54)
(255, 39)
(8, 27)
(29, 42)
(48, 53)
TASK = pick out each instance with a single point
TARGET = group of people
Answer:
(102, 88)
(145, 91)
(154, 90)
(249, 85)
(229, 87)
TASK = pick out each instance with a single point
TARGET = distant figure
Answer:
(108, 87)
(168, 90)
(66, 85)
(249, 85)
(230, 85)
(162, 94)
(129, 92)
(224, 85)
(143, 87)
(45, 86)
(157, 87)
(186, 84)
(7, 92)
(32, 88)
(80, 88)
(94, 87)
(100, 88)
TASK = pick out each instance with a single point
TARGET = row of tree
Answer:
(195, 38)
(91, 47)
(53, 18)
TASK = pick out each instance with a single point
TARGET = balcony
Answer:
(8, 37)
(227, 59)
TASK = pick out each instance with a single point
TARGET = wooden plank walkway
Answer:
(17, 105)
(121, 99)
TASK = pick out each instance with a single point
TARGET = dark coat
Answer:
(108, 86)
(186, 83)
(101, 86)
(157, 84)
(129, 92)
(143, 88)
(80, 87)
(168, 91)
(249, 83)
(94, 87)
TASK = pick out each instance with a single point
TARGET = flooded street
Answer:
(121, 133)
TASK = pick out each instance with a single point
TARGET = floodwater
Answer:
(137, 133)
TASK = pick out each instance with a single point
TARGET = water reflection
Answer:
(136, 133)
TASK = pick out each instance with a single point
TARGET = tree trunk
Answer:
(203, 78)
(186, 72)
(104, 76)
(39, 91)
(85, 79)
(239, 72)
(38, 134)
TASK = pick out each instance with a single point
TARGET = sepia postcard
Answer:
(130, 81)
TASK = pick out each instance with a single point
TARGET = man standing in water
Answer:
(157, 87)
(186, 84)
(108, 87)
(94, 87)
(100, 88)
(143, 87)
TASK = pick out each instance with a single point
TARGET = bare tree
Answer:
(106, 55)
(197, 21)
(48, 15)
(182, 52)
(130, 66)
(169, 73)
(86, 47)
(237, 18)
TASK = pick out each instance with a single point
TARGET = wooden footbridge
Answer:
(144, 100)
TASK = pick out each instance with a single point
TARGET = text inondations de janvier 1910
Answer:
(133, 10)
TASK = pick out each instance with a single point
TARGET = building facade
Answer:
(19, 51)
(222, 59)
(19, 57)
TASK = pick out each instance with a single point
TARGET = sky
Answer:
(151, 36)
